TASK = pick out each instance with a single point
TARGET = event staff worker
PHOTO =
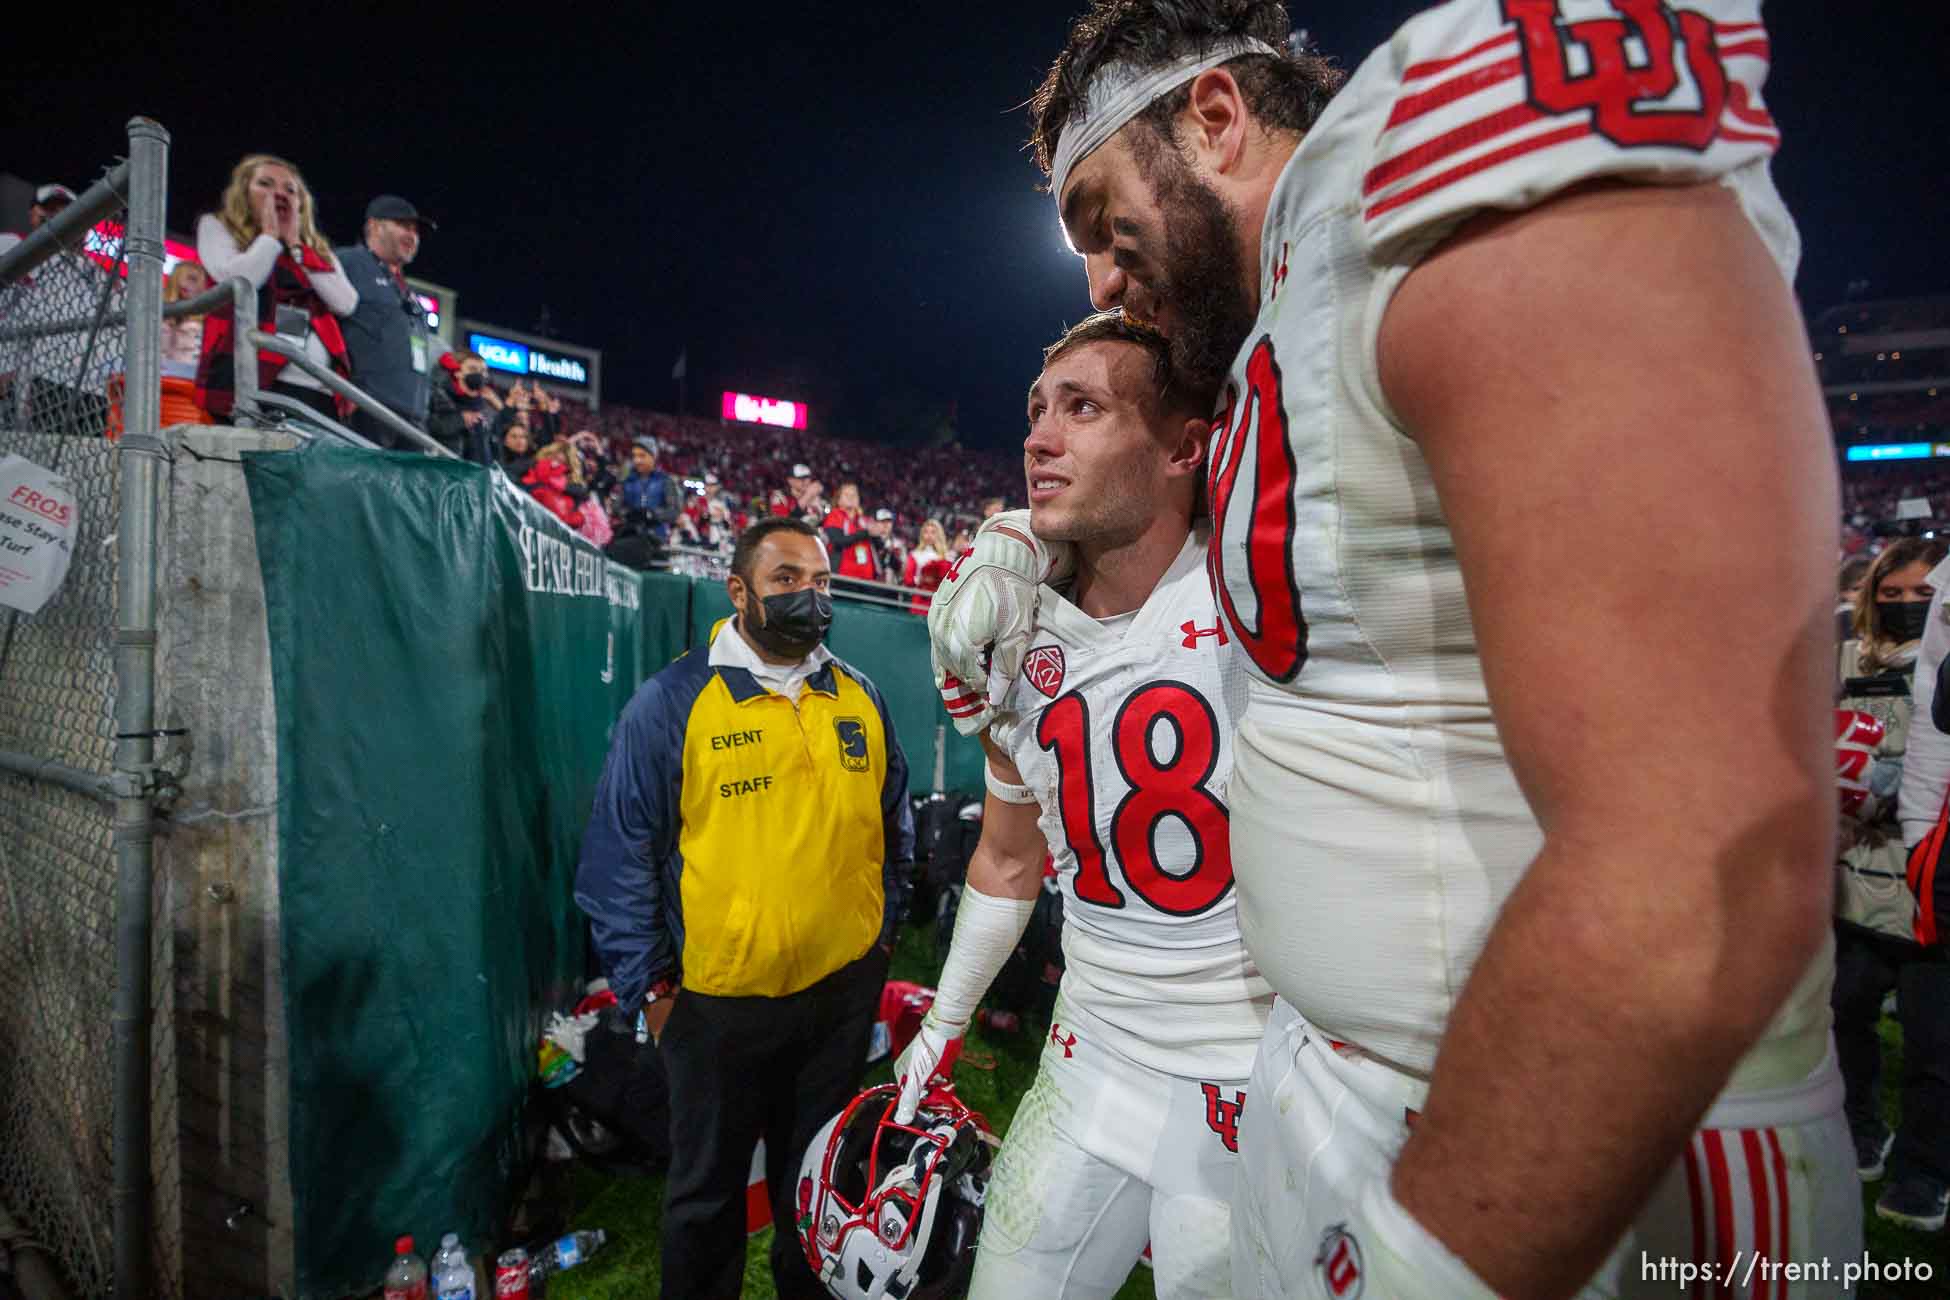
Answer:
(392, 348)
(742, 871)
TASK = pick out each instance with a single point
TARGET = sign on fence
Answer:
(37, 530)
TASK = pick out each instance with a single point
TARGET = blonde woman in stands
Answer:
(182, 347)
(926, 563)
(266, 231)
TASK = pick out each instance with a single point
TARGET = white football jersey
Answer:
(1377, 825)
(1123, 729)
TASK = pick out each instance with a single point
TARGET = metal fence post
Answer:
(243, 319)
(135, 701)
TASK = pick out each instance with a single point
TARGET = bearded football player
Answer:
(1540, 874)
(1111, 753)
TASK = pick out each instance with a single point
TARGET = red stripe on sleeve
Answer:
(1716, 1169)
(1734, 29)
(1429, 67)
(1410, 107)
(1757, 1188)
(1696, 1199)
(1449, 142)
(1787, 1246)
(1740, 103)
(1474, 165)
(1750, 137)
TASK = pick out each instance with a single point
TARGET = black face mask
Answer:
(795, 622)
(473, 383)
(1903, 620)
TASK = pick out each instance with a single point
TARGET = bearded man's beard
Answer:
(1204, 277)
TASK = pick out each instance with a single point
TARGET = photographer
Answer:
(1875, 947)
(651, 504)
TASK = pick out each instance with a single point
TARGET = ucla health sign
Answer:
(558, 365)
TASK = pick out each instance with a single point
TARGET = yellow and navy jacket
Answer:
(740, 844)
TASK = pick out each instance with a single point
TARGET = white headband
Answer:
(1120, 92)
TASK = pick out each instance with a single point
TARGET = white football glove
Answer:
(917, 1065)
(982, 616)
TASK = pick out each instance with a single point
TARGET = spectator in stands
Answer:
(652, 504)
(464, 413)
(58, 380)
(600, 481)
(517, 451)
(1875, 948)
(1848, 583)
(743, 875)
(849, 541)
(964, 542)
(891, 546)
(796, 484)
(927, 564)
(387, 336)
(48, 200)
(182, 336)
(541, 411)
(993, 507)
(265, 231)
(555, 481)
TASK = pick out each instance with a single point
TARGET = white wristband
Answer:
(1004, 791)
(987, 930)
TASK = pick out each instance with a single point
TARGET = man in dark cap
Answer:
(391, 347)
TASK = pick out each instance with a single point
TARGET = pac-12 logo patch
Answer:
(1338, 1263)
(853, 743)
(1043, 666)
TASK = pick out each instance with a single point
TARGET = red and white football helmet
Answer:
(890, 1211)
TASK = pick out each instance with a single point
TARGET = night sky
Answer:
(819, 201)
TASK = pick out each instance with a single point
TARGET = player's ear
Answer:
(1214, 121)
(1194, 436)
(735, 587)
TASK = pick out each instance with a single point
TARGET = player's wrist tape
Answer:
(1399, 1259)
(987, 930)
(1004, 791)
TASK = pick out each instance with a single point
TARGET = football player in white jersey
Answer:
(1518, 403)
(1111, 753)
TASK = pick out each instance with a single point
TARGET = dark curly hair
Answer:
(1286, 92)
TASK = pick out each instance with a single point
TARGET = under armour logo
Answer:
(1193, 632)
(1061, 1039)
(1222, 1116)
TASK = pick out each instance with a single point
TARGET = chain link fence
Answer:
(60, 390)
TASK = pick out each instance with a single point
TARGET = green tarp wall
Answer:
(448, 661)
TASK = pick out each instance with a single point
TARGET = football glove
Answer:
(983, 614)
(917, 1065)
(1857, 735)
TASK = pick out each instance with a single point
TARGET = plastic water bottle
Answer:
(453, 1276)
(406, 1276)
(566, 1252)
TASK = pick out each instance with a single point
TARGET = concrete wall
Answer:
(222, 1102)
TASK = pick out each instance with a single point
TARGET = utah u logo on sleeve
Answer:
(1222, 1116)
(1625, 70)
(853, 743)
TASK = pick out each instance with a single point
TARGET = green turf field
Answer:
(629, 1208)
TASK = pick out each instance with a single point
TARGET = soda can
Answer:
(512, 1276)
